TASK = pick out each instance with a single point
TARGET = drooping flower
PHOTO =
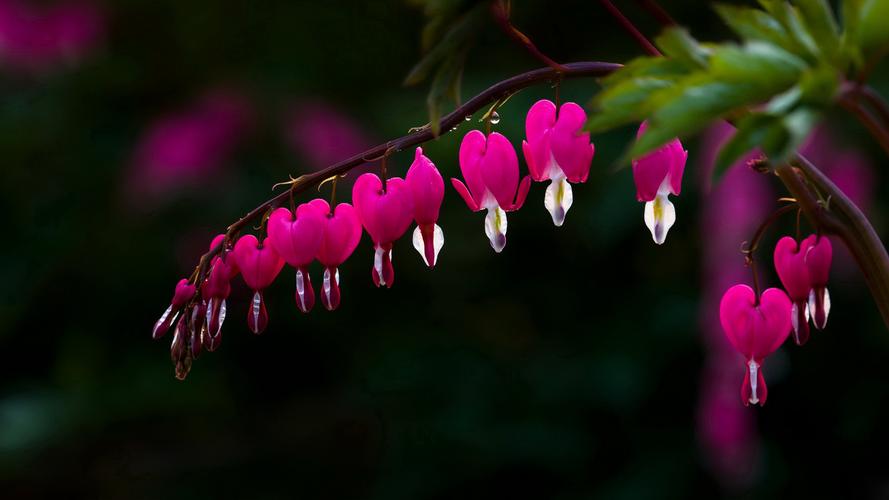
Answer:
(341, 235)
(558, 150)
(385, 214)
(755, 329)
(819, 255)
(790, 263)
(215, 290)
(296, 238)
(180, 351)
(259, 265)
(427, 190)
(491, 170)
(183, 293)
(657, 175)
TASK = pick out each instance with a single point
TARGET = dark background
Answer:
(569, 366)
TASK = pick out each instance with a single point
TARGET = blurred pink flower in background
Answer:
(731, 212)
(36, 38)
(847, 168)
(185, 148)
(322, 135)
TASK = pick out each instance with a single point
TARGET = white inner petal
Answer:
(660, 215)
(301, 287)
(378, 263)
(326, 285)
(257, 301)
(558, 199)
(495, 228)
(753, 366)
(420, 245)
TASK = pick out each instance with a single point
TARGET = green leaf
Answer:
(821, 24)
(676, 43)
(754, 24)
(660, 67)
(754, 130)
(445, 84)
(690, 106)
(873, 26)
(457, 39)
(757, 63)
(624, 103)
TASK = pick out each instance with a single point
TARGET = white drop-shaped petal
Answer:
(495, 228)
(301, 287)
(256, 309)
(163, 318)
(558, 199)
(420, 244)
(325, 286)
(753, 366)
(813, 307)
(660, 215)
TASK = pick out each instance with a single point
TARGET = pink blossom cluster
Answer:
(757, 325)
(555, 149)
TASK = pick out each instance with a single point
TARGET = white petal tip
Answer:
(495, 228)
(558, 199)
(660, 215)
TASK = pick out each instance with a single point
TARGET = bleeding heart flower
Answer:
(259, 265)
(427, 189)
(183, 293)
(755, 329)
(790, 263)
(215, 290)
(297, 238)
(818, 258)
(557, 149)
(491, 169)
(657, 175)
(385, 214)
(180, 351)
(341, 235)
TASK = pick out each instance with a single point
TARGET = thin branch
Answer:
(500, 12)
(879, 131)
(845, 220)
(876, 102)
(658, 12)
(630, 28)
(494, 93)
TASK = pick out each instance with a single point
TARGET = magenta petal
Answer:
(755, 330)
(538, 125)
(649, 173)
(500, 169)
(791, 267)
(297, 237)
(773, 323)
(259, 264)
(472, 150)
(535, 166)
(427, 188)
(341, 236)
(570, 146)
(386, 215)
(522, 194)
(677, 167)
(818, 257)
(541, 117)
(464, 193)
